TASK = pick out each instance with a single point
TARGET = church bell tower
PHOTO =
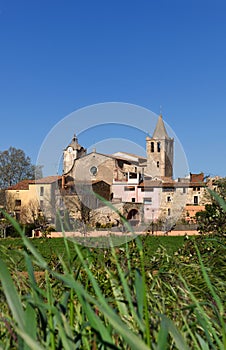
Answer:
(72, 152)
(159, 150)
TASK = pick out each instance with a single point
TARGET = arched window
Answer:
(158, 146)
(152, 146)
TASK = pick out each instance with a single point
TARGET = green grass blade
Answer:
(127, 292)
(162, 341)
(39, 259)
(96, 323)
(209, 284)
(120, 327)
(30, 323)
(51, 314)
(144, 288)
(12, 296)
(119, 298)
(31, 343)
(218, 198)
(139, 291)
(215, 297)
(203, 320)
(203, 344)
(175, 334)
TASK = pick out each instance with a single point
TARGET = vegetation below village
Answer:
(152, 293)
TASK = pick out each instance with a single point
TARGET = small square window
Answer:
(18, 202)
(133, 200)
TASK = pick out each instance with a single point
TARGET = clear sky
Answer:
(59, 56)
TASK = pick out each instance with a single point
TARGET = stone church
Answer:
(95, 166)
(141, 188)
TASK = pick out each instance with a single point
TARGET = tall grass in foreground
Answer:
(120, 305)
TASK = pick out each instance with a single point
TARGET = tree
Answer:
(213, 218)
(16, 166)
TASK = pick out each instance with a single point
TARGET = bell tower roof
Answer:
(74, 143)
(160, 130)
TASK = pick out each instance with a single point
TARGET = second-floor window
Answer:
(41, 191)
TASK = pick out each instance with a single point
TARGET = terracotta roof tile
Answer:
(22, 185)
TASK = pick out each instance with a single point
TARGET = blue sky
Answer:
(57, 57)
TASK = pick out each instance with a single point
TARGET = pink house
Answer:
(137, 190)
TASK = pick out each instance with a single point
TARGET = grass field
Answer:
(155, 294)
(11, 249)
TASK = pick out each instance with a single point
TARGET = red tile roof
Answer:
(197, 177)
(22, 185)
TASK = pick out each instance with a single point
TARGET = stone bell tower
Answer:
(160, 153)
(72, 151)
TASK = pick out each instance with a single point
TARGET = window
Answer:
(184, 189)
(41, 191)
(129, 188)
(93, 170)
(152, 147)
(168, 199)
(18, 202)
(168, 189)
(196, 200)
(147, 200)
(133, 200)
(158, 146)
(41, 205)
(168, 211)
(132, 175)
(157, 164)
(120, 164)
(147, 189)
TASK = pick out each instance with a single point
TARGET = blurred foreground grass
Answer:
(155, 293)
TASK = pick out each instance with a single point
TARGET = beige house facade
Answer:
(29, 198)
